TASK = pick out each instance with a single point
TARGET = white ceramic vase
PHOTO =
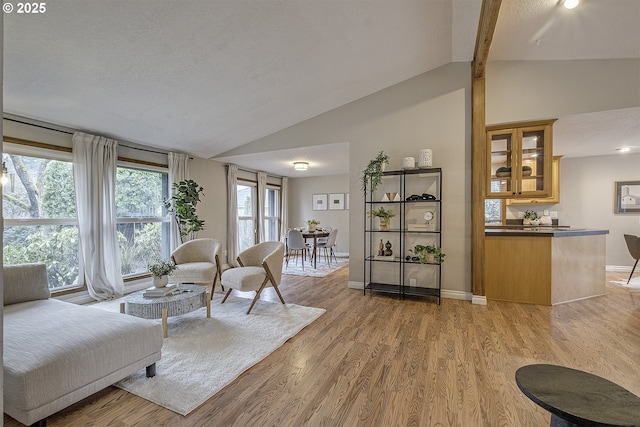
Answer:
(425, 159)
(160, 282)
(408, 163)
(312, 228)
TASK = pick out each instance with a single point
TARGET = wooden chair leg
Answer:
(278, 292)
(255, 299)
(217, 277)
(226, 296)
(632, 270)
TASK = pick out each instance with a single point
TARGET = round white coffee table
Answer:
(185, 299)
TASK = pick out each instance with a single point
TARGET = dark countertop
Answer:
(542, 231)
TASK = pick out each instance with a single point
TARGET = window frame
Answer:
(165, 219)
(49, 152)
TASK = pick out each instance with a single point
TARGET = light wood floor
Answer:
(379, 361)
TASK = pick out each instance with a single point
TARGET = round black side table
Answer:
(577, 398)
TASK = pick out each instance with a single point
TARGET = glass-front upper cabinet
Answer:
(519, 160)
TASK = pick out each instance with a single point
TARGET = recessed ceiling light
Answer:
(570, 4)
(301, 166)
(624, 149)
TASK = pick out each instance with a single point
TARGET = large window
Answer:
(248, 217)
(493, 208)
(40, 222)
(142, 221)
(246, 197)
(272, 214)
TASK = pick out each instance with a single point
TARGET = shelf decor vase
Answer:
(425, 159)
(160, 282)
(384, 224)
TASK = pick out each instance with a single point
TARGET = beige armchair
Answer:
(260, 266)
(198, 262)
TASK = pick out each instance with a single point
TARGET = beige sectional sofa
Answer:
(57, 353)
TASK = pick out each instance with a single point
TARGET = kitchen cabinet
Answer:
(519, 160)
(555, 188)
(544, 265)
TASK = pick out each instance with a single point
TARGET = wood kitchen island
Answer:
(544, 265)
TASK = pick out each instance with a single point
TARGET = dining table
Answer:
(314, 235)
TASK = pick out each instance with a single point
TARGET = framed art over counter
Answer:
(627, 197)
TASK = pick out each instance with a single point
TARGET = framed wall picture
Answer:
(336, 201)
(627, 197)
(319, 202)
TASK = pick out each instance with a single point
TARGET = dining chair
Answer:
(295, 242)
(324, 239)
(633, 244)
(328, 246)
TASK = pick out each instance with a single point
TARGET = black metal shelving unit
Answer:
(397, 275)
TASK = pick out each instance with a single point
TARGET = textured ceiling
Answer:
(207, 76)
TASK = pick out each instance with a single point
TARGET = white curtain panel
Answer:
(94, 172)
(284, 209)
(232, 214)
(178, 171)
(262, 190)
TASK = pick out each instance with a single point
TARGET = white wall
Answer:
(520, 91)
(301, 191)
(212, 176)
(587, 198)
(431, 110)
(1, 238)
(530, 90)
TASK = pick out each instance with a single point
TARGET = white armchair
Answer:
(198, 262)
(260, 266)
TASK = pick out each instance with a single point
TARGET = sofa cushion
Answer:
(25, 282)
(53, 348)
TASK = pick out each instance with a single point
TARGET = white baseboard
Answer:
(355, 285)
(479, 299)
(619, 268)
(466, 296)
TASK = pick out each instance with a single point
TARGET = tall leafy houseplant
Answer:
(182, 206)
(372, 174)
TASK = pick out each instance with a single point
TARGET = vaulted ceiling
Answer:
(207, 76)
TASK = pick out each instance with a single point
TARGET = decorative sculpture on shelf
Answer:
(388, 251)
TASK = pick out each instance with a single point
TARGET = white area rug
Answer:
(201, 356)
(322, 270)
(633, 286)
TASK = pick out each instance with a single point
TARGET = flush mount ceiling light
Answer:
(301, 166)
(570, 4)
(624, 149)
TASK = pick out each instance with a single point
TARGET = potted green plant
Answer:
(428, 253)
(531, 218)
(182, 206)
(312, 224)
(372, 174)
(160, 270)
(384, 216)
